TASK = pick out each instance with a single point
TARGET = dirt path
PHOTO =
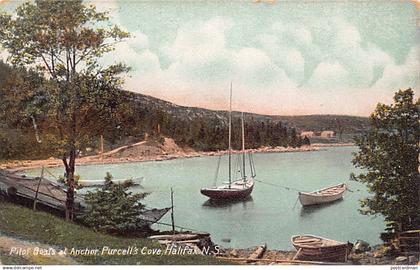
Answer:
(30, 251)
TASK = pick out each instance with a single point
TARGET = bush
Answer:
(113, 209)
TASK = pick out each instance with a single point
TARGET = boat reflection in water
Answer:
(310, 209)
(210, 203)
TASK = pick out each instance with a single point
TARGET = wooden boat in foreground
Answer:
(101, 182)
(317, 248)
(325, 195)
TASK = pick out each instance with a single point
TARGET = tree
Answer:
(306, 141)
(112, 209)
(63, 42)
(389, 157)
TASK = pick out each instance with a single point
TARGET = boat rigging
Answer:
(242, 187)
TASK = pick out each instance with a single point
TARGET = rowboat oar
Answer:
(297, 254)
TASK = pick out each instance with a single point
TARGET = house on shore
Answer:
(327, 134)
(307, 134)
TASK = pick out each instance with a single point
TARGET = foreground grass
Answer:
(51, 230)
(12, 260)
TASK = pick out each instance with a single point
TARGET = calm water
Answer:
(272, 215)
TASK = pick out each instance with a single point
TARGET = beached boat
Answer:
(325, 195)
(317, 248)
(101, 182)
(241, 188)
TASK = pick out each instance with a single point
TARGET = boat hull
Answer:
(313, 198)
(228, 193)
(330, 253)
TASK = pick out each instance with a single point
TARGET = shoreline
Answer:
(380, 254)
(22, 165)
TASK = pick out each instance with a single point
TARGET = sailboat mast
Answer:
(243, 146)
(230, 136)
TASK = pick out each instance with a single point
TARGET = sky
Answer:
(287, 58)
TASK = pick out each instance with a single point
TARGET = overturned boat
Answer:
(317, 248)
(325, 195)
(101, 182)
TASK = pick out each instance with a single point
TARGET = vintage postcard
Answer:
(265, 132)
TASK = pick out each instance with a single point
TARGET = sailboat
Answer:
(240, 188)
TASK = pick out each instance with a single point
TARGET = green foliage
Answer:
(67, 92)
(200, 132)
(45, 32)
(73, 95)
(306, 141)
(113, 209)
(389, 156)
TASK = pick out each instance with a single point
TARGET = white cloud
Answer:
(347, 36)
(288, 58)
(294, 33)
(329, 75)
(357, 65)
(269, 75)
(198, 44)
(307, 66)
(253, 67)
(401, 76)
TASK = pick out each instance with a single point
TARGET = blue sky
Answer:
(291, 57)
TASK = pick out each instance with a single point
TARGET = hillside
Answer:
(349, 124)
(138, 116)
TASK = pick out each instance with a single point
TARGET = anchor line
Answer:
(349, 189)
(50, 173)
(182, 228)
(280, 186)
(347, 186)
(295, 203)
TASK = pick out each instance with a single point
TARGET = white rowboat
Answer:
(325, 195)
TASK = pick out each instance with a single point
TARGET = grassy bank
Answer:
(47, 229)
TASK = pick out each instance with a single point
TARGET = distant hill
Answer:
(347, 125)
(140, 116)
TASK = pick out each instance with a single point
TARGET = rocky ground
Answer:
(362, 254)
(382, 254)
